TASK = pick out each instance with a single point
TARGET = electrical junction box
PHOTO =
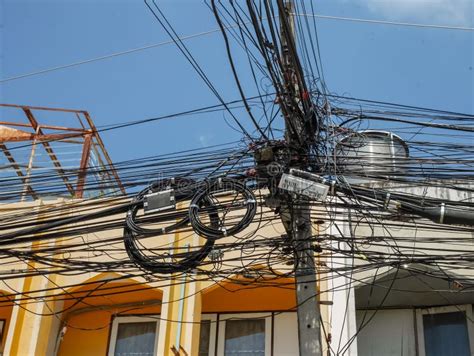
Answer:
(305, 187)
(159, 201)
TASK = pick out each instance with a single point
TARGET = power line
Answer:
(112, 55)
(379, 218)
(383, 22)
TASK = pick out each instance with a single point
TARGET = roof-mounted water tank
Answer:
(370, 156)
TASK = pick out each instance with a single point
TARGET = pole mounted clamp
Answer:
(442, 212)
(387, 201)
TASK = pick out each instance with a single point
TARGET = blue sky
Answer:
(414, 66)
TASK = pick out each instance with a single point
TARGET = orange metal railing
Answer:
(32, 134)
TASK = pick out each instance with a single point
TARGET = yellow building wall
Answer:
(77, 342)
(272, 295)
(88, 334)
(92, 305)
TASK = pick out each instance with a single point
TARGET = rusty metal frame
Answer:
(26, 182)
(49, 150)
(101, 145)
(17, 169)
(90, 140)
(81, 179)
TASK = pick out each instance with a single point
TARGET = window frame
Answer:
(131, 319)
(467, 308)
(212, 332)
(222, 324)
(3, 322)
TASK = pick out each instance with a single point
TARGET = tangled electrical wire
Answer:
(206, 199)
(389, 205)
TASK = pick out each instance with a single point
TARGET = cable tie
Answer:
(192, 206)
(442, 212)
(224, 231)
(251, 201)
(387, 201)
(363, 256)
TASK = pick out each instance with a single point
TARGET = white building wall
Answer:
(342, 317)
(389, 333)
(285, 342)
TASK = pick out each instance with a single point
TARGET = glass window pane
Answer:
(446, 334)
(245, 337)
(137, 339)
(204, 336)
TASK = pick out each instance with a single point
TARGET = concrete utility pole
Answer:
(309, 334)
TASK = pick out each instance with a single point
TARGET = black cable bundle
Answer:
(225, 186)
(183, 188)
(164, 263)
(201, 202)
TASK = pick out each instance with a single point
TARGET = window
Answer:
(446, 331)
(246, 334)
(249, 334)
(207, 336)
(204, 337)
(133, 335)
(2, 324)
(245, 337)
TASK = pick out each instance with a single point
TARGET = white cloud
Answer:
(443, 12)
